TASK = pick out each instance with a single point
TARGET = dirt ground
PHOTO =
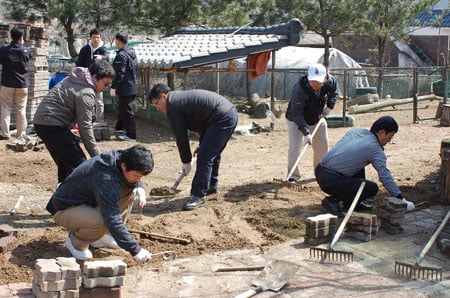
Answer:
(252, 211)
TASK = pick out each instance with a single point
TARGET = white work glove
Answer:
(187, 168)
(139, 195)
(409, 205)
(326, 111)
(308, 139)
(98, 57)
(142, 256)
(112, 92)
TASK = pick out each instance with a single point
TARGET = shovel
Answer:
(273, 277)
(182, 175)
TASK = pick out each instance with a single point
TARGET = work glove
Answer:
(326, 111)
(112, 92)
(308, 139)
(139, 195)
(98, 57)
(142, 256)
(409, 205)
(186, 168)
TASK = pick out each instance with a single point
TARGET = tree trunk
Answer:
(393, 102)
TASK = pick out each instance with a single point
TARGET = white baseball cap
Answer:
(317, 72)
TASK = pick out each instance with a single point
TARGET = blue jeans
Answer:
(212, 142)
(344, 188)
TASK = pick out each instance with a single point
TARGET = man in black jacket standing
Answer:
(94, 50)
(125, 86)
(14, 59)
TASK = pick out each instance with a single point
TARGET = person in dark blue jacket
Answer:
(93, 201)
(14, 59)
(214, 118)
(125, 86)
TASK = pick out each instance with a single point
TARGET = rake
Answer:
(415, 271)
(337, 256)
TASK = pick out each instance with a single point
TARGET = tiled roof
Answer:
(196, 47)
(433, 19)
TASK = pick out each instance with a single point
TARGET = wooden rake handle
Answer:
(155, 235)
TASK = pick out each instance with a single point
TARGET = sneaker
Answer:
(293, 180)
(106, 241)
(331, 205)
(77, 254)
(126, 138)
(194, 202)
(213, 190)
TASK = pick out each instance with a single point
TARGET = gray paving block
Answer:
(103, 282)
(321, 221)
(69, 267)
(321, 232)
(104, 268)
(48, 270)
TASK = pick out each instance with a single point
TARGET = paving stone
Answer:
(390, 228)
(361, 228)
(103, 282)
(384, 213)
(321, 232)
(48, 270)
(100, 292)
(104, 268)
(360, 235)
(69, 294)
(7, 230)
(394, 203)
(365, 219)
(316, 241)
(321, 221)
(41, 294)
(69, 267)
(8, 243)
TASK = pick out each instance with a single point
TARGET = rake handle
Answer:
(347, 216)
(303, 150)
(430, 242)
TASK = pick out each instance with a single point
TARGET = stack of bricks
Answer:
(320, 228)
(60, 277)
(103, 279)
(392, 214)
(8, 240)
(362, 226)
(37, 41)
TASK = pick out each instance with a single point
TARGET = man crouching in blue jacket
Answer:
(92, 202)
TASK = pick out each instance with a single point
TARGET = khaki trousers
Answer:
(9, 96)
(86, 222)
(319, 145)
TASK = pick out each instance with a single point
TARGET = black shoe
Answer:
(361, 207)
(331, 205)
(2, 138)
(213, 190)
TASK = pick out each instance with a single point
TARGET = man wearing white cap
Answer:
(313, 97)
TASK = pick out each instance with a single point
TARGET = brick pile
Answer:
(8, 238)
(102, 132)
(320, 229)
(56, 278)
(103, 279)
(37, 41)
(392, 214)
(362, 226)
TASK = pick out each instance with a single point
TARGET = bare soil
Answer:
(252, 209)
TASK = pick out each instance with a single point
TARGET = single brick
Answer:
(316, 241)
(52, 286)
(394, 203)
(365, 229)
(8, 243)
(47, 269)
(391, 215)
(360, 235)
(364, 219)
(104, 268)
(321, 221)
(321, 232)
(100, 293)
(7, 230)
(40, 294)
(102, 282)
(69, 267)
(69, 294)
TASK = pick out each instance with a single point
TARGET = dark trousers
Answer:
(125, 118)
(212, 143)
(63, 147)
(344, 188)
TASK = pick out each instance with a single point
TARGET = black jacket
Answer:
(14, 59)
(86, 56)
(126, 66)
(305, 107)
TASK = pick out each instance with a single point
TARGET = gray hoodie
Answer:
(71, 101)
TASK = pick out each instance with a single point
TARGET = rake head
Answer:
(283, 182)
(418, 272)
(330, 256)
